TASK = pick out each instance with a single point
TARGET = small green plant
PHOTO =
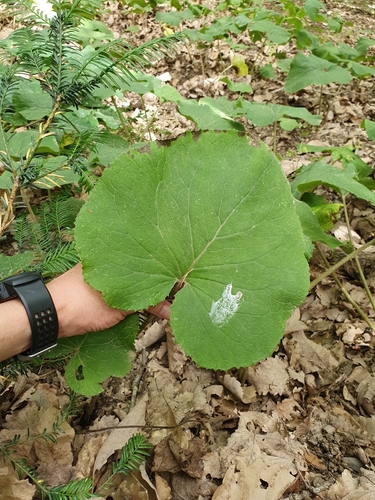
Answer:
(133, 454)
(46, 76)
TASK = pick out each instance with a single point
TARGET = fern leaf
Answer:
(78, 489)
(133, 454)
(63, 258)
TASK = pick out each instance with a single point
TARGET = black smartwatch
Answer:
(30, 289)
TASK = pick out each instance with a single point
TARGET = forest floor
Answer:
(298, 425)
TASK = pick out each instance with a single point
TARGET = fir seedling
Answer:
(45, 74)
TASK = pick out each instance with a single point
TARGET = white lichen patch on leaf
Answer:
(223, 309)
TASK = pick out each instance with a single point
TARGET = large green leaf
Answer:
(319, 173)
(97, 356)
(369, 126)
(276, 34)
(263, 114)
(311, 227)
(15, 263)
(30, 100)
(312, 70)
(215, 215)
(207, 116)
(21, 142)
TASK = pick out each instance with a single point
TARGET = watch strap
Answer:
(40, 310)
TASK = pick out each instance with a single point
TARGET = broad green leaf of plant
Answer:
(97, 356)
(369, 126)
(109, 149)
(241, 87)
(311, 227)
(55, 173)
(13, 264)
(238, 62)
(6, 180)
(207, 117)
(364, 44)
(213, 216)
(318, 173)
(276, 34)
(174, 18)
(20, 143)
(312, 70)
(30, 100)
(312, 8)
(345, 154)
(326, 213)
(268, 71)
(263, 114)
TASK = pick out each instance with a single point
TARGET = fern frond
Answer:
(86, 9)
(26, 12)
(8, 87)
(13, 367)
(112, 63)
(63, 258)
(28, 47)
(133, 454)
(78, 489)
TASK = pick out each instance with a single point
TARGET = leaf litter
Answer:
(298, 425)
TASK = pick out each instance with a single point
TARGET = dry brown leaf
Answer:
(132, 487)
(311, 357)
(87, 456)
(288, 409)
(314, 461)
(348, 487)
(246, 394)
(270, 377)
(294, 323)
(120, 436)
(12, 488)
(163, 489)
(176, 356)
(55, 459)
(152, 335)
(266, 478)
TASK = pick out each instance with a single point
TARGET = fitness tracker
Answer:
(30, 289)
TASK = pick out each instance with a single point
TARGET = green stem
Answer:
(122, 119)
(345, 292)
(341, 262)
(356, 259)
(274, 137)
(320, 99)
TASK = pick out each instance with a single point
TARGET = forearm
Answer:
(80, 309)
(15, 330)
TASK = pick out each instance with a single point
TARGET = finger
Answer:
(162, 310)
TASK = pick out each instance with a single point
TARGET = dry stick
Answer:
(8, 216)
(341, 262)
(26, 201)
(356, 260)
(342, 289)
(138, 378)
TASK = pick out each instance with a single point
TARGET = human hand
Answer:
(81, 309)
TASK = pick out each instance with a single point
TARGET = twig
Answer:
(340, 263)
(356, 260)
(138, 378)
(345, 292)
